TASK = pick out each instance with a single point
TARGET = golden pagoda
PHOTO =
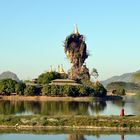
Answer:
(60, 69)
(50, 70)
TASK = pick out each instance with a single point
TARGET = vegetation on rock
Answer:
(46, 78)
(66, 90)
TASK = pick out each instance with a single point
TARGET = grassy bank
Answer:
(99, 123)
(45, 98)
(49, 98)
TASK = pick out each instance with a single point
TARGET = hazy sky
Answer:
(32, 34)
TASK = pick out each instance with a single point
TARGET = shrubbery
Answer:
(9, 86)
(66, 90)
(119, 91)
(46, 78)
(99, 90)
(19, 88)
(130, 87)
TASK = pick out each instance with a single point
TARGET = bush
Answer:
(30, 90)
(99, 90)
(131, 87)
(138, 94)
(119, 91)
(65, 90)
(7, 86)
(47, 77)
(19, 88)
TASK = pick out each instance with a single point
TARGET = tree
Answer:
(7, 86)
(19, 88)
(29, 90)
(94, 73)
(46, 90)
(46, 78)
(119, 91)
(99, 90)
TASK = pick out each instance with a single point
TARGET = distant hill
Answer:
(127, 77)
(8, 74)
(129, 87)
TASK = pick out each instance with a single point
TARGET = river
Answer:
(69, 136)
(131, 107)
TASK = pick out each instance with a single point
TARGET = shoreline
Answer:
(87, 123)
(45, 98)
(50, 98)
(71, 128)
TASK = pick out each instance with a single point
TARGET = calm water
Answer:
(68, 108)
(68, 137)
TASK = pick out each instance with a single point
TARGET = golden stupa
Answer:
(60, 69)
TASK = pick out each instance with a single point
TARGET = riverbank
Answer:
(87, 123)
(49, 98)
(45, 98)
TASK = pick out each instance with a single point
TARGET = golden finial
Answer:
(50, 70)
(58, 68)
(75, 29)
(61, 70)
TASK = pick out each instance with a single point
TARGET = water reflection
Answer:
(65, 108)
(119, 103)
(122, 137)
(81, 137)
(49, 108)
(76, 137)
(97, 107)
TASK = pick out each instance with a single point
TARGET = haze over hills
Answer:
(126, 77)
(9, 75)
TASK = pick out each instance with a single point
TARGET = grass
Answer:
(71, 122)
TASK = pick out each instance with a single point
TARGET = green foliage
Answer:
(19, 88)
(136, 77)
(138, 94)
(46, 78)
(86, 82)
(46, 90)
(119, 91)
(131, 87)
(30, 90)
(99, 90)
(128, 122)
(7, 86)
(66, 90)
(94, 73)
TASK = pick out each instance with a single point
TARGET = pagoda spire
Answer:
(75, 29)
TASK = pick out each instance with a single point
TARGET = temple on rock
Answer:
(75, 49)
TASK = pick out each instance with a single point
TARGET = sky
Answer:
(32, 33)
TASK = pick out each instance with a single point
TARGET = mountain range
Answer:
(126, 77)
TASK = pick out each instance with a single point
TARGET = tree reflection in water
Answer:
(51, 107)
(119, 103)
(122, 137)
(81, 137)
(97, 107)
(75, 137)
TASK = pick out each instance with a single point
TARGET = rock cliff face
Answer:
(76, 51)
(9, 75)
